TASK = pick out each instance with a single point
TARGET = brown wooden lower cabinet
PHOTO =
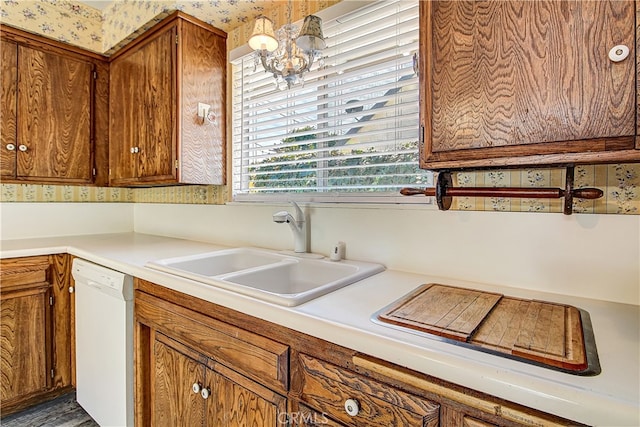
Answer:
(190, 389)
(199, 371)
(257, 373)
(35, 330)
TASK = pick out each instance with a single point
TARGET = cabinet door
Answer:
(238, 401)
(36, 329)
(55, 103)
(519, 82)
(158, 151)
(126, 116)
(187, 392)
(174, 402)
(8, 90)
(25, 330)
(25, 346)
(142, 113)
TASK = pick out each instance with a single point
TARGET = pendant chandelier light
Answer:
(287, 54)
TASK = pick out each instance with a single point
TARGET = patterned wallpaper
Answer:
(187, 194)
(106, 31)
(620, 183)
(63, 20)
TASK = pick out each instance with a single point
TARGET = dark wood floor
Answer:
(63, 411)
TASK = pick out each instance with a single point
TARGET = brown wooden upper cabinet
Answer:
(522, 83)
(156, 85)
(50, 104)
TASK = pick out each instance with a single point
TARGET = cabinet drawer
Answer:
(472, 422)
(253, 355)
(21, 273)
(302, 416)
(327, 388)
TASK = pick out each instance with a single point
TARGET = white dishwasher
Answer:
(104, 343)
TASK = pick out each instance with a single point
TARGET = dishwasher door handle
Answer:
(93, 284)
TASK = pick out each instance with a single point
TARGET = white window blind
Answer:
(350, 130)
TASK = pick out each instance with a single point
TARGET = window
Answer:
(350, 132)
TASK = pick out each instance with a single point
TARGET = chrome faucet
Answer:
(298, 227)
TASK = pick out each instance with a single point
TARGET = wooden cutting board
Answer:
(538, 331)
(443, 310)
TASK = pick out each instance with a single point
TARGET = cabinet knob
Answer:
(619, 53)
(11, 147)
(196, 387)
(22, 147)
(352, 407)
(71, 289)
(135, 150)
(205, 393)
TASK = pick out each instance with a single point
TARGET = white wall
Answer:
(593, 256)
(27, 220)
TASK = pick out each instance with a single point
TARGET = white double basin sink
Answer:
(268, 275)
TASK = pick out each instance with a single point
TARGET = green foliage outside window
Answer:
(294, 168)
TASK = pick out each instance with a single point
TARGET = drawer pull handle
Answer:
(352, 407)
(619, 53)
(196, 387)
(205, 392)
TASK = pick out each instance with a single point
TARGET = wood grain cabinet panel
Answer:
(472, 422)
(508, 83)
(637, 75)
(156, 85)
(63, 326)
(174, 401)
(54, 105)
(8, 109)
(252, 355)
(238, 401)
(142, 144)
(303, 416)
(35, 330)
(187, 387)
(25, 341)
(328, 388)
(190, 390)
(53, 110)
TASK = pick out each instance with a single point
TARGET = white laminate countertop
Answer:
(611, 398)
